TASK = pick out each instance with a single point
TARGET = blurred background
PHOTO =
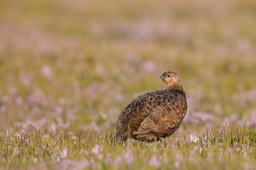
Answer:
(76, 64)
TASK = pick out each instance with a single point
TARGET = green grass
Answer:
(96, 149)
(68, 68)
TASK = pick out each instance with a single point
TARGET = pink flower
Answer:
(46, 71)
(128, 157)
(193, 138)
(154, 161)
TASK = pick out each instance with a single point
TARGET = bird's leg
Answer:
(146, 137)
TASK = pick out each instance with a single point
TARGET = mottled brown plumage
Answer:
(154, 115)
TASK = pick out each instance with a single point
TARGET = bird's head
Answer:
(171, 79)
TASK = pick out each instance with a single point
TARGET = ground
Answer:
(68, 68)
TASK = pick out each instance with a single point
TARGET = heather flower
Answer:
(177, 164)
(193, 138)
(128, 157)
(149, 66)
(64, 153)
(96, 149)
(154, 161)
(46, 71)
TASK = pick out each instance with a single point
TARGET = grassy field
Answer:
(68, 68)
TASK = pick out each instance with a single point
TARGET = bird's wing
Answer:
(164, 118)
(143, 129)
(132, 116)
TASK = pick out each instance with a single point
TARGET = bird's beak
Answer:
(161, 77)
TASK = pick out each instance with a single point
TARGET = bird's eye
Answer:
(168, 76)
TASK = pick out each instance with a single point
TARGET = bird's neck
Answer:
(177, 86)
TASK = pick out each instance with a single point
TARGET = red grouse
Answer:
(154, 115)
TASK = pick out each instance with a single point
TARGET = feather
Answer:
(155, 114)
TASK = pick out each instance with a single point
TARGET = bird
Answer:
(154, 115)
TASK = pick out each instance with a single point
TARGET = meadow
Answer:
(68, 68)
